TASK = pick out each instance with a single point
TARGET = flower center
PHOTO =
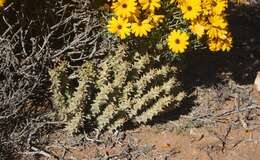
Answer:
(177, 41)
(189, 8)
(139, 23)
(119, 27)
(214, 4)
(124, 5)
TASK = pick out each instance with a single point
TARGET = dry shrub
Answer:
(33, 34)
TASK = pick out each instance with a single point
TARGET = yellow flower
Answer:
(214, 45)
(124, 8)
(206, 7)
(218, 21)
(150, 4)
(220, 44)
(227, 44)
(219, 6)
(178, 41)
(119, 26)
(191, 9)
(198, 29)
(155, 19)
(213, 7)
(214, 32)
(134, 17)
(141, 29)
(2, 2)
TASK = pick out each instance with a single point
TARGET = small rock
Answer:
(257, 82)
(256, 90)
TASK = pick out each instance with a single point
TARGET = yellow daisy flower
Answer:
(218, 21)
(134, 17)
(219, 6)
(227, 44)
(214, 32)
(198, 29)
(150, 4)
(220, 44)
(191, 9)
(124, 8)
(206, 7)
(178, 41)
(214, 45)
(119, 26)
(141, 29)
(155, 19)
(2, 2)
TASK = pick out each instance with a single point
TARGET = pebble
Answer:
(256, 89)
(257, 82)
